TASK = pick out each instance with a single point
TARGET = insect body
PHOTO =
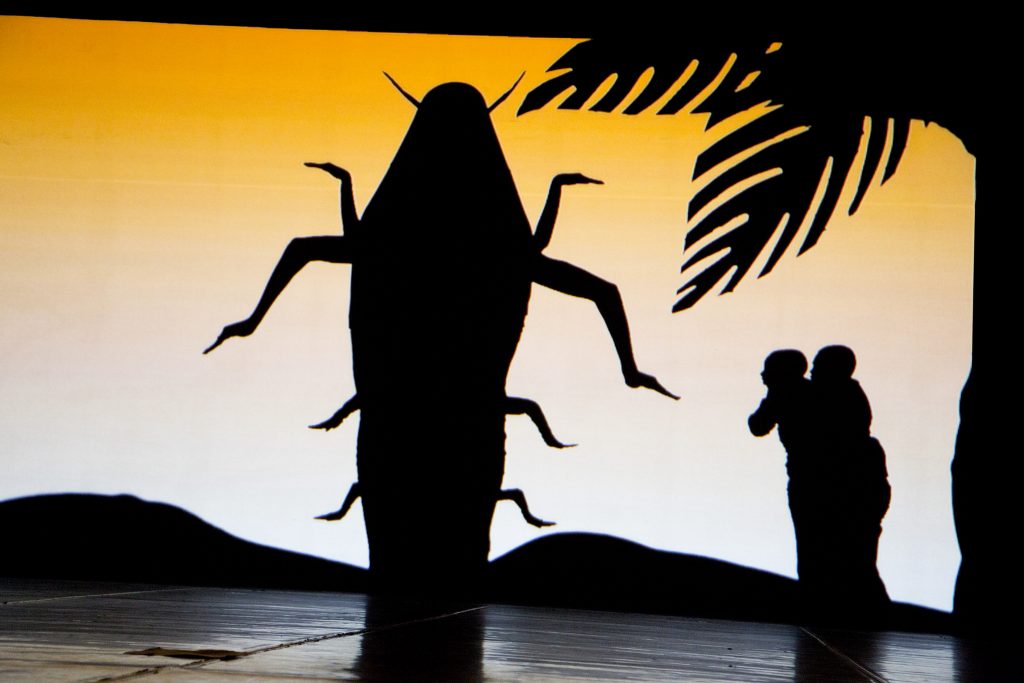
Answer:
(443, 260)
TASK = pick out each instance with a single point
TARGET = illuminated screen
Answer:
(153, 174)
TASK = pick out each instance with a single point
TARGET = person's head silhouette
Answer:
(784, 366)
(834, 364)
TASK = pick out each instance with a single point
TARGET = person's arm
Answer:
(763, 420)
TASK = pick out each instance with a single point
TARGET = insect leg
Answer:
(524, 406)
(546, 223)
(351, 406)
(299, 252)
(349, 219)
(574, 281)
(517, 497)
(354, 492)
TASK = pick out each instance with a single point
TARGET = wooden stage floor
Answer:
(81, 631)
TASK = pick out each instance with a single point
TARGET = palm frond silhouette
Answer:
(765, 174)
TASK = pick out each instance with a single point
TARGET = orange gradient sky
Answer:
(152, 175)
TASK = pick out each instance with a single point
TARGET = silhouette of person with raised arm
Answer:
(855, 475)
(838, 487)
(788, 408)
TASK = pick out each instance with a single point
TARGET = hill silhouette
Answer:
(604, 572)
(593, 571)
(124, 538)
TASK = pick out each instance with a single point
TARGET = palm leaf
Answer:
(591, 63)
(769, 194)
(768, 171)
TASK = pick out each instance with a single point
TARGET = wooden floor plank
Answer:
(13, 590)
(914, 657)
(522, 644)
(77, 632)
(505, 643)
(94, 629)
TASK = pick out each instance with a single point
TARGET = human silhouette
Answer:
(787, 407)
(838, 488)
(853, 473)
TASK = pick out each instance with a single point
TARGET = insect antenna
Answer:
(415, 102)
(504, 96)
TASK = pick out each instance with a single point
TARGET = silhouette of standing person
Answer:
(855, 476)
(788, 408)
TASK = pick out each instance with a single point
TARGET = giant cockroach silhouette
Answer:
(443, 260)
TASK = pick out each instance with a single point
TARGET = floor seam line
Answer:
(93, 595)
(281, 646)
(330, 636)
(860, 668)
